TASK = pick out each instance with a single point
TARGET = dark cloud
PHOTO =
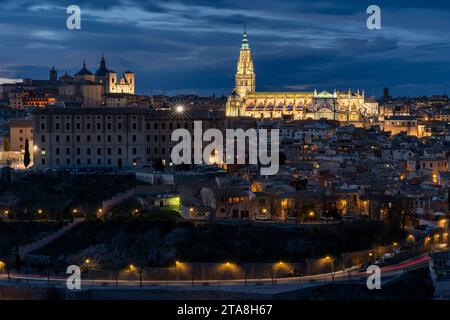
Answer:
(192, 45)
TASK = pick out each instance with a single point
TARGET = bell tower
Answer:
(245, 75)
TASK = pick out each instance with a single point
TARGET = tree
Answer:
(26, 156)
(6, 144)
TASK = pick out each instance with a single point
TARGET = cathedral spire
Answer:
(244, 39)
(245, 75)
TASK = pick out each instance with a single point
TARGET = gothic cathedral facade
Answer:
(348, 106)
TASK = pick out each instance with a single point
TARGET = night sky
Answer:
(192, 46)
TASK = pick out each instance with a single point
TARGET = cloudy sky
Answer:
(191, 46)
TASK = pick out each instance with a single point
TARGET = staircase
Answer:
(38, 244)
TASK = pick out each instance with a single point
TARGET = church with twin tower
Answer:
(345, 106)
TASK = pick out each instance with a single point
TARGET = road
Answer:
(342, 276)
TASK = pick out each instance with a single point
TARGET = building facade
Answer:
(349, 107)
(110, 137)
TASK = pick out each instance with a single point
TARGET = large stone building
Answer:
(82, 89)
(344, 106)
(112, 83)
(21, 130)
(110, 137)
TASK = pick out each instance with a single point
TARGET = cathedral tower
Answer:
(245, 75)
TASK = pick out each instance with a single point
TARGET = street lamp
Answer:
(330, 260)
(138, 270)
(179, 108)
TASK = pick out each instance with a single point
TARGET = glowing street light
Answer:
(179, 108)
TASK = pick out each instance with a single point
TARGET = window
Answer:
(155, 138)
(99, 126)
(67, 139)
(119, 126)
(88, 151)
(67, 126)
(119, 151)
(99, 138)
(67, 151)
(57, 138)
(78, 138)
(134, 151)
(78, 126)
(57, 126)
(109, 138)
(148, 138)
(42, 138)
(108, 126)
(42, 161)
(78, 151)
(57, 151)
(88, 126)
(155, 126)
(99, 151)
(134, 138)
(42, 125)
(119, 138)
(134, 125)
(88, 138)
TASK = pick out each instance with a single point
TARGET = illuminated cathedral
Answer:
(345, 106)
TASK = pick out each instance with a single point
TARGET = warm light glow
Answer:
(74, 210)
(370, 254)
(132, 267)
(264, 210)
(395, 244)
(410, 237)
(87, 261)
(2, 265)
(40, 211)
(311, 213)
(179, 108)
(100, 210)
